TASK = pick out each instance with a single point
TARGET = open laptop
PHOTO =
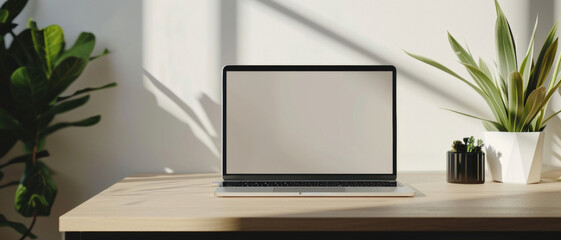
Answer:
(309, 131)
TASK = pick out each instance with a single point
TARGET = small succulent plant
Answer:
(468, 145)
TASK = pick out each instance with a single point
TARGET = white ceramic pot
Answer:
(514, 157)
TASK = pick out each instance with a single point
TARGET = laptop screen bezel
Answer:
(308, 68)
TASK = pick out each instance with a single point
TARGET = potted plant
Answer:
(465, 163)
(517, 95)
(35, 70)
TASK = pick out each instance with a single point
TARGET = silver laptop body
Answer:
(309, 131)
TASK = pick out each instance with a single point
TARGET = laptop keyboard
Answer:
(310, 184)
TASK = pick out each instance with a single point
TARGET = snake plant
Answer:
(36, 69)
(517, 94)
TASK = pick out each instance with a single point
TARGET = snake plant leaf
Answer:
(493, 95)
(82, 48)
(515, 98)
(465, 58)
(67, 106)
(525, 67)
(545, 58)
(48, 44)
(485, 68)
(463, 55)
(86, 90)
(506, 50)
(537, 122)
(64, 74)
(19, 227)
(446, 70)
(495, 125)
(532, 107)
(555, 77)
(36, 191)
(14, 7)
(82, 123)
(29, 88)
(547, 62)
(550, 117)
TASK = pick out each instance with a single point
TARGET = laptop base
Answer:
(399, 191)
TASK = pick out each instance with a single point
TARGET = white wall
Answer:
(167, 56)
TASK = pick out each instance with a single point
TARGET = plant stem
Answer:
(34, 158)
(35, 146)
(30, 226)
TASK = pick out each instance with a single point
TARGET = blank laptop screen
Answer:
(316, 122)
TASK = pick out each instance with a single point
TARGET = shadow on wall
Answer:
(212, 111)
(552, 161)
(365, 51)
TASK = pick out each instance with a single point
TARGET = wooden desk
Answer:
(185, 203)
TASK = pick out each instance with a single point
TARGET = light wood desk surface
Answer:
(185, 202)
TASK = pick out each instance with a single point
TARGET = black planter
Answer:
(465, 167)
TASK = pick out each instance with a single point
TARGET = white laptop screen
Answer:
(316, 122)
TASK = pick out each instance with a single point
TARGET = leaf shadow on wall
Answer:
(212, 111)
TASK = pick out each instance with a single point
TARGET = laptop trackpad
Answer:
(309, 189)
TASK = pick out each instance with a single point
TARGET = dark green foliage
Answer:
(468, 145)
(35, 69)
(458, 146)
(15, 225)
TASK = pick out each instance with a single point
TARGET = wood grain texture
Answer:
(185, 202)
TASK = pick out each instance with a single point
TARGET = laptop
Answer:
(309, 131)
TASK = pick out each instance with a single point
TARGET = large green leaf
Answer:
(48, 44)
(7, 122)
(515, 99)
(67, 106)
(83, 123)
(4, 15)
(19, 227)
(82, 48)
(7, 141)
(26, 158)
(506, 50)
(36, 191)
(86, 90)
(65, 74)
(14, 7)
(29, 87)
(22, 49)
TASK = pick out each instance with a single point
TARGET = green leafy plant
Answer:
(468, 145)
(517, 95)
(35, 70)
